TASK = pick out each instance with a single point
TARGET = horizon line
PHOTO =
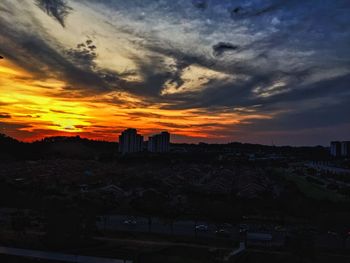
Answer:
(188, 143)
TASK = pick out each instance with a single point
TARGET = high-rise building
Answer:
(159, 143)
(345, 149)
(130, 141)
(335, 149)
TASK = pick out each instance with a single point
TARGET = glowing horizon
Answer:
(197, 71)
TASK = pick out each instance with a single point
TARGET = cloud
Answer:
(4, 115)
(84, 55)
(257, 9)
(15, 130)
(58, 9)
(222, 47)
(66, 112)
(201, 4)
(141, 114)
(144, 51)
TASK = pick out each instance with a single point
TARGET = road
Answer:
(57, 256)
(160, 243)
(179, 228)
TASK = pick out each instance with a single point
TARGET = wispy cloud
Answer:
(178, 56)
(58, 9)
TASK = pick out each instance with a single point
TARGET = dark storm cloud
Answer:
(151, 69)
(301, 127)
(222, 47)
(257, 8)
(334, 88)
(296, 97)
(58, 9)
(92, 47)
(327, 115)
(83, 55)
(201, 4)
(155, 79)
(308, 108)
(156, 72)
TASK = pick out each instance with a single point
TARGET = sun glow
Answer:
(36, 108)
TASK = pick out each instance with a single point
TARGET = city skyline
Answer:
(268, 72)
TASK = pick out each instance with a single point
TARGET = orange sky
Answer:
(93, 68)
(39, 108)
(55, 82)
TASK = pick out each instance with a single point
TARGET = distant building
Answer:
(345, 149)
(335, 149)
(130, 141)
(159, 143)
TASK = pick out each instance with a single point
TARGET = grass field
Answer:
(314, 191)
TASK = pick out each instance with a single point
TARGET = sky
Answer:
(259, 71)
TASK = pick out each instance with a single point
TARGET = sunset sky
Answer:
(260, 71)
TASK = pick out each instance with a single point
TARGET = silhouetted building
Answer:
(336, 149)
(345, 149)
(130, 141)
(159, 143)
